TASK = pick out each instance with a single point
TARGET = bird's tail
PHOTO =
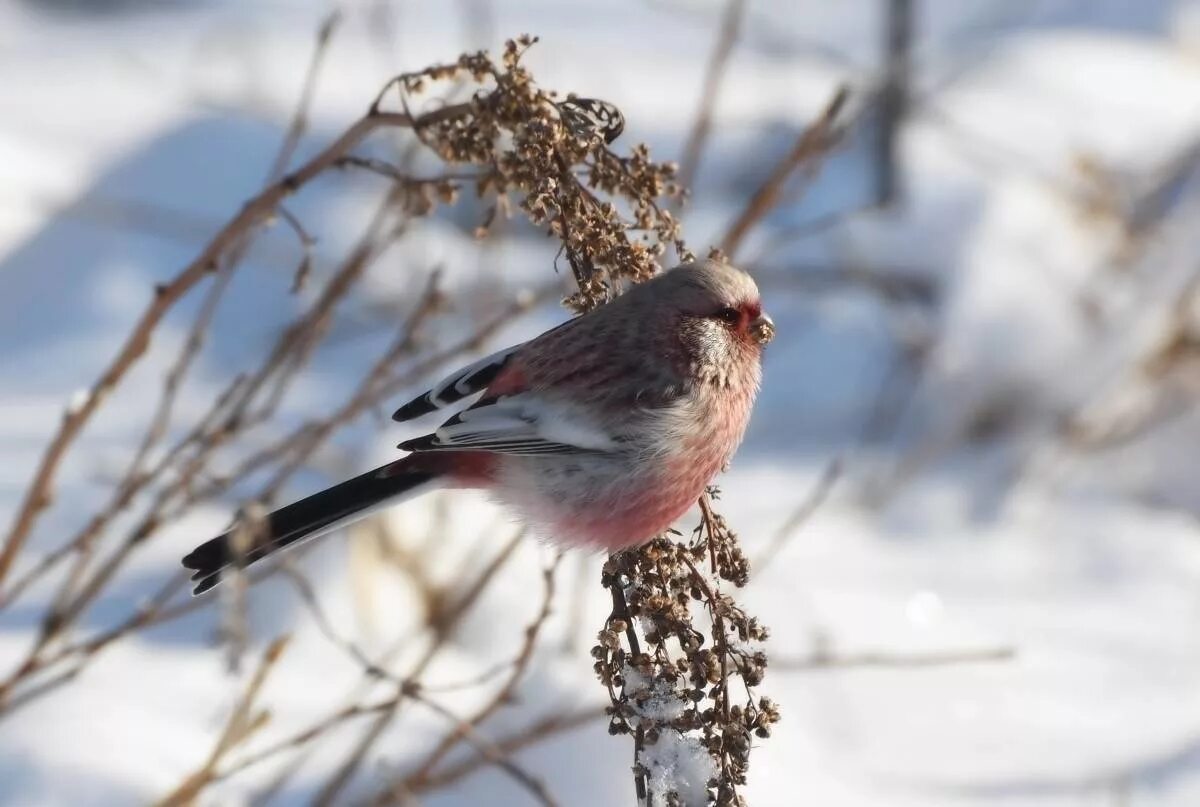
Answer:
(309, 518)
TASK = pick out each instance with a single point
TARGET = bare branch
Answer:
(816, 497)
(242, 724)
(252, 214)
(813, 144)
(828, 661)
(731, 23)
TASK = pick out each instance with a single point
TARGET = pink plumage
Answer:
(600, 432)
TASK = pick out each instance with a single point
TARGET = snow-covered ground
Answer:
(969, 525)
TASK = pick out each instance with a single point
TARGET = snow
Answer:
(679, 765)
(676, 763)
(659, 705)
(935, 540)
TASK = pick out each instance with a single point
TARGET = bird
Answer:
(598, 433)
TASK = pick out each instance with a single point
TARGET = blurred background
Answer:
(970, 486)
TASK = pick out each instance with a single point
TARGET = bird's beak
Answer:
(762, 329)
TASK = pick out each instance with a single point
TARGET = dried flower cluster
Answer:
(602, 206)
(678, 683)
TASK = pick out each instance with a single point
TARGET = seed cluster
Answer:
(682, 679)
(603, 207)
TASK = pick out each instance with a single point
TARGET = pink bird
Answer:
(600, 432)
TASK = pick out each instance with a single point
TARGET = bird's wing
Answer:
(528, 423)
(468, 381)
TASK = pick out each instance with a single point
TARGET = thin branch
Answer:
(620, 614)
(816, 497)
(486, 748)
(828, 661)
(308, 596)
(386, 709)
(718, 61)
(293, 339)
(502, 696)
(812, 144)
(489, 751)
(557, 722)
(380, 389)
(39, 494)
(299, 122)
(386, 169)
(242, 724)
(893, 99)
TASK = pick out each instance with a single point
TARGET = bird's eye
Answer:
(729, 315)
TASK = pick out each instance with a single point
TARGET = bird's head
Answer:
(721, 301)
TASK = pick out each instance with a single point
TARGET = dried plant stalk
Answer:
(672, 689)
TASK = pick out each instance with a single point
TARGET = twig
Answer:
(893, 99)
(386, 710)
(489, 751)
(240, 726)
(503, 695)
(299, 122)
(38, 496)
(553, 724)
(65, 611)
(306, 239)
(385, 169)
(620, 613)
(308, 596)
(357, 404)
(718, 61)
(826, 661)
(816, 497)
(415, 692)
(716, 611)
(442, 631)
(813, 143)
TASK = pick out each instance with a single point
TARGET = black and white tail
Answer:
(309, 518)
